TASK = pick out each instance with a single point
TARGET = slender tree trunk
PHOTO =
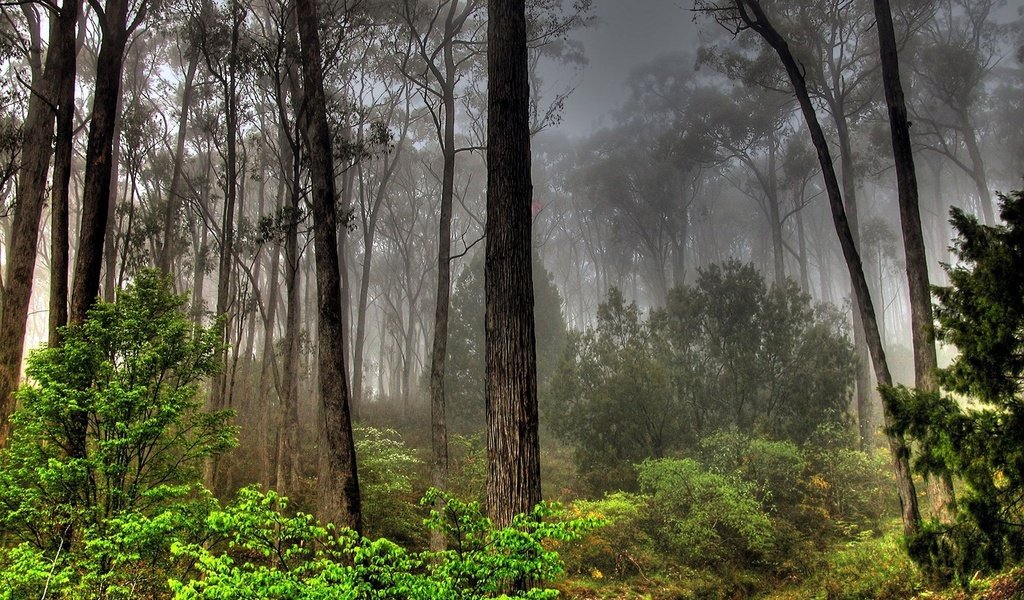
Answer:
(288, 434)
(755, 18)
(60, 199)
(940, 489)
(978, 173)
(439, 347)
(337, 482)
(513, 446)
(36, 151)
(167, 251)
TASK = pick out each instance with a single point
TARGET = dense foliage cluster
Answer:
(740, 505)
(726, 353)
(101, 473)
(981, 441)
(265, 554)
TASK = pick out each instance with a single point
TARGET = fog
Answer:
(740, 228)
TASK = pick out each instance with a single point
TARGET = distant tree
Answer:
(465, 382)
(726, 353)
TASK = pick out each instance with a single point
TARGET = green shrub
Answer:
(387, 471)
(623, 547)
(871, 568)
(704, 518)
(104, 459)
(264, 554)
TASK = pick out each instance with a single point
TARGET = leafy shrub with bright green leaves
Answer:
(261, 553)
(623, 547)
(104, 459)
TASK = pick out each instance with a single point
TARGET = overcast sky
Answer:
(630, 33)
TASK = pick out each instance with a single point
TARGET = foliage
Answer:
(982, 314)
(871, 568)
(612, 397)
(465, 363)
(387, 470)
(268, 555)
(728, 352)
(94, 520)
(705, 517)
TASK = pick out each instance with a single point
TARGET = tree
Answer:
(727, 353)
(925, 359)
(443, 67)
(465, 380)
(981, 312)
(100, 521)
(513, 443)
(740, 15)
(49, 91)
(337, 481)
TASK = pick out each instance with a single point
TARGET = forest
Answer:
(464, 299)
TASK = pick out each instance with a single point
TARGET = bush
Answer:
(264, 554)
(702, 517)
(871, 568)
(104, 459)
(623, 547)
(387, 470)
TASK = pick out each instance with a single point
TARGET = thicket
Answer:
(740, 513)
(101, 496)
(729, 352)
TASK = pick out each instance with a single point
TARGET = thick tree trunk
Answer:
(940, 489)
(48, 91)
(755, 18)
(337, 481)
(513, 446)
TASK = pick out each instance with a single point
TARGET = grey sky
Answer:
(630, 33)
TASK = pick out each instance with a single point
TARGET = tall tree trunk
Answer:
(60, 199)
(513, 446)
(754, 17)
(167, 251)
(47, 92)
(337, 481)
(288, 433)
(940, 489)
(439, 347)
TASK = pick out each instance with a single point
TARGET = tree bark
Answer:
(513, 447)
(48, 91)
(940, 489)
(337, 481)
